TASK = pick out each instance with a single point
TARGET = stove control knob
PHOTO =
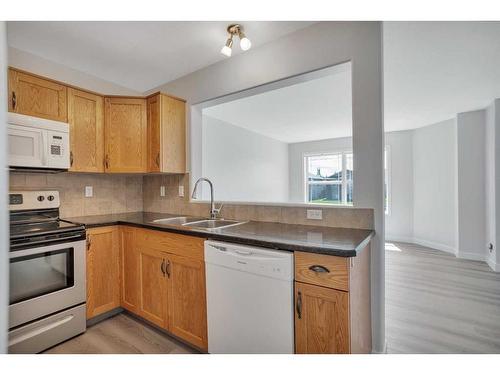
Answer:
(40, 198)
(50, 198)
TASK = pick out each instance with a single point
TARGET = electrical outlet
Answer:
(181, 191)
(89, 191)
(315, 214)
(162, 191)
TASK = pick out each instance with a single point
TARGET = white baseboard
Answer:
(390, 237)
(435, 245)
(493, 265)
(469, 255)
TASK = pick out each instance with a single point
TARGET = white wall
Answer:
(471, 185)
(243, 165)
(399, 221)
(51, 69)
(492, 187)
(4, 228)
(315, 47)
(490, 200)
(296, 153)
(434, 162)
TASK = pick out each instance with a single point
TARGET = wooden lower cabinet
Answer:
(163, 287)
(321, 320)
(332, 304)
(103, 270)
(129, 263)
(153, 286)
(187, 302)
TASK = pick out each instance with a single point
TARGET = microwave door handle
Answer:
(45, 148)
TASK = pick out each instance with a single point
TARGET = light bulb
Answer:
(226, 51)
(245, 43)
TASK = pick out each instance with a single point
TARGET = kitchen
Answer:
(109, 217)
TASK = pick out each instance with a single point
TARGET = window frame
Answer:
(343, 183)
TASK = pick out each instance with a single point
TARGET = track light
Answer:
(233, 30)
(226, 50)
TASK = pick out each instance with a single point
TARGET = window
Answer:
(328, 178)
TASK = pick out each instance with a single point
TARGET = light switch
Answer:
(181, 190)
(162, 191)
(89, 191)
(315, 214)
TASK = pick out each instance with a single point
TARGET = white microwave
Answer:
(37, 144)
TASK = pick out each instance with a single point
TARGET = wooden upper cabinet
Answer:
(166, 134)
(187, 300)
(154, 138)
(125, 135)
(103, 271)
(86, 124)
(321, 320)
(35, 96)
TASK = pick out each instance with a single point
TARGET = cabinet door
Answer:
(154, 141)
(86, 126)
(103, 271)
(187, 299)
(125, 135)
(35, 96)
(321, 320)
(153, 286)
(130, 292)
(173, 134)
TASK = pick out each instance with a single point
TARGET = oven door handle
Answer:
(41, 250)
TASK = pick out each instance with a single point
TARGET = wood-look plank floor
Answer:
(436, 303)
(121, 334)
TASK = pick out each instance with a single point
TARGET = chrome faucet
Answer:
(213, 211)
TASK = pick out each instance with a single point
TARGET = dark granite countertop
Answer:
(344, 242)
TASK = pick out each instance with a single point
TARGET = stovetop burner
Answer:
(37, 221)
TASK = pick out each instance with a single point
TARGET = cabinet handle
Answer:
(157, 160)
(299, 305)
(106, 161)
(71, 158)
(14, 100)
(163, 267)
(319, 269)
(89, 243)
(167, 270)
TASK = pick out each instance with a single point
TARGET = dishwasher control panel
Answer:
(261, 261)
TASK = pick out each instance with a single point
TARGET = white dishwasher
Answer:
(249, 299)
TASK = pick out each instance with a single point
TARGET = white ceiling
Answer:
(316, 109)
(434, 70)
(137, 55)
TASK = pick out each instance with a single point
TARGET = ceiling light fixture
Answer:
(235, 29)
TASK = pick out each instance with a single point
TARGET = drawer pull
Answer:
(319, 269)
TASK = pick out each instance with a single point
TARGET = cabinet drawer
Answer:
(324, 270)
(173, 243)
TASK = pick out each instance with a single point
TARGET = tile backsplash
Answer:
(346, 217)
(111, 193)
(131, 193)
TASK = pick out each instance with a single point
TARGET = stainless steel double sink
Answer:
(198, 222)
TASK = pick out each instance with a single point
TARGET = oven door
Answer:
(45, 280)
(27, 147)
